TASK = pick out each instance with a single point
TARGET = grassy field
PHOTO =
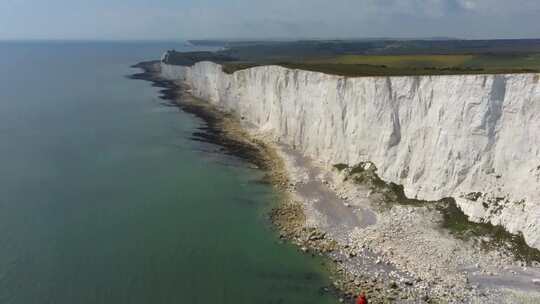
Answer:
(405, 65)
(377, 57)
(398, 61)
(518, 61)
(526, 61)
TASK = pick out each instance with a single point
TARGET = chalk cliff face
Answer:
(475, 138)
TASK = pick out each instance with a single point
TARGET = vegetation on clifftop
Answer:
(375, 57)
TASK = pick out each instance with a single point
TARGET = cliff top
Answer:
(375, 57)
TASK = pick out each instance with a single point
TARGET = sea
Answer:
(106, 198)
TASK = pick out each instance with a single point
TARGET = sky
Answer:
(269, 19)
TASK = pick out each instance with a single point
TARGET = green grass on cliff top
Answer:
(406, 65)
(376, 57)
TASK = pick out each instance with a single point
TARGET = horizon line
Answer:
(434, 38)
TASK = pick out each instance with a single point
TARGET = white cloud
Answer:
(468, 4)
(501, 7)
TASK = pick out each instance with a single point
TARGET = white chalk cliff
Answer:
(475, 138)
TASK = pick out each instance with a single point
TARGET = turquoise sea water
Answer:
(105, 199)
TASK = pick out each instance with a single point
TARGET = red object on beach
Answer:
(362, 299)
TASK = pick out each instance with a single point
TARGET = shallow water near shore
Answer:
(106, 199)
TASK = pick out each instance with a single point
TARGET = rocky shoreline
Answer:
(402, 257)
(288, 218)
(221, 128)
